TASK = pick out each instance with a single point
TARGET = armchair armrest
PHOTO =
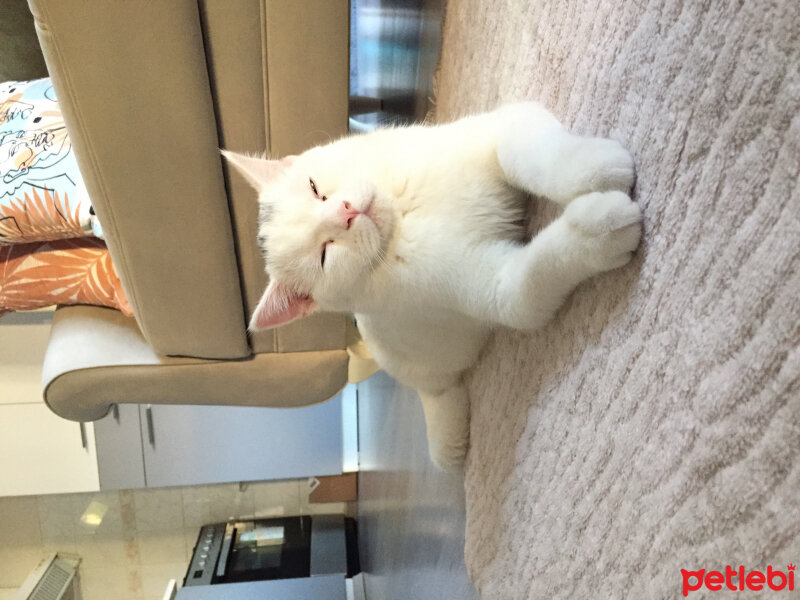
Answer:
(97, 357)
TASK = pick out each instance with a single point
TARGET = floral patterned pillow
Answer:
(42, 196)
(74, 271)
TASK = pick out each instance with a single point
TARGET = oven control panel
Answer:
(205, 554)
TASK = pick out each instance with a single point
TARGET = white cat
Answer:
(418, 231)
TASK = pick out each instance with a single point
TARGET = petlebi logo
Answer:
(739, 580)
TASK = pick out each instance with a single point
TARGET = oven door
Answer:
(265, 549)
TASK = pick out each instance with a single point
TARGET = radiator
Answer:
(54, 578)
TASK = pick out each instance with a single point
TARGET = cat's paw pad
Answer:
(608, 226)
(607, 164)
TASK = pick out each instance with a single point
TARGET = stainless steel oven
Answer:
(298, 554)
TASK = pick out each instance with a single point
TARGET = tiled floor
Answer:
(411, 515)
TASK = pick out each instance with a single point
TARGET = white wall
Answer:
(23, 339)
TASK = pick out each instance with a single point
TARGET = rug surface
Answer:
(655, 425)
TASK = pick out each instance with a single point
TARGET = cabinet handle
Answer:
(84, 441)
(115, 412)
(151, 432)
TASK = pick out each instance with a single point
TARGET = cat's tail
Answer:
(447, 421)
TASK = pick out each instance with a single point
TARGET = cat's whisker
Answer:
(384, 261)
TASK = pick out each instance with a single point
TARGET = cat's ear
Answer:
(256, 170)
(280, 305)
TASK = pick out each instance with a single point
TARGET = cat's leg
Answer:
(523, 286)
(537, 154)
(447, 423)
(444, 399)
(445, 403)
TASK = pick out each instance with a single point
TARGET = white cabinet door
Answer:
(119, 449)
(41, 453)
(190, 445)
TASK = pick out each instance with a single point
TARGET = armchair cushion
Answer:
(42, 197)
(75, 271)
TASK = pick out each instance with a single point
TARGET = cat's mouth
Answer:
(368, 211)
(378, 220)
(372, 212)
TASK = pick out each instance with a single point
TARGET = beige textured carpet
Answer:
(656, 424)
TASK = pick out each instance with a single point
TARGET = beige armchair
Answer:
(150, 91)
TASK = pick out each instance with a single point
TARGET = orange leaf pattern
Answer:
(74, 271)
(36, 218)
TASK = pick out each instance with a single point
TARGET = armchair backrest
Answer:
(149, 91)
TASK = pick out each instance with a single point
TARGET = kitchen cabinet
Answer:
(119, 439)
(137, 446)
(164, 445)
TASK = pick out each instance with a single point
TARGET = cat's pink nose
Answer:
(346, 214)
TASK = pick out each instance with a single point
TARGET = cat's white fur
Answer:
(422, 229)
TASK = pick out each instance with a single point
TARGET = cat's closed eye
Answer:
(324, 247)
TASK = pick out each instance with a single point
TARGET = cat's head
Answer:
(323, 228)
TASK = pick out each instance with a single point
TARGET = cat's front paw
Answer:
(448, 452)
(607, 227)
(606, 164)
(447, 424)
